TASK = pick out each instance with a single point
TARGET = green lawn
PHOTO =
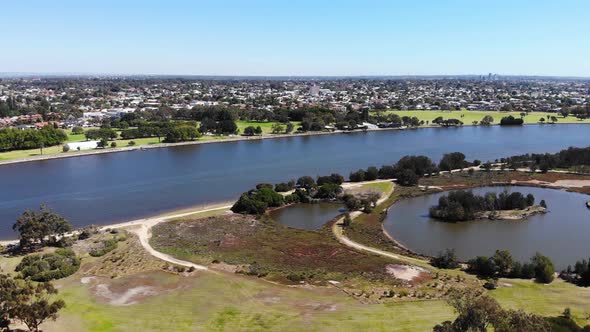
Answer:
(470, 116)
(265, 126)
(380, 186)
(547, 300)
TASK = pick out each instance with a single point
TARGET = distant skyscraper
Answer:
(314, 90)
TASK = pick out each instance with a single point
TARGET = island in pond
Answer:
(464, 205)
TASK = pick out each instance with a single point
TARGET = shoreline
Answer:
(165, 215)
(238, 138)
(495, 184)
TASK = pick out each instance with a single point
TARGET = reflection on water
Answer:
(306, 216)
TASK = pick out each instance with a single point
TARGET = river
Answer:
(108, 188)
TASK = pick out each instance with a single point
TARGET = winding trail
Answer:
(144, 233)
(337, 230)
(143, 229)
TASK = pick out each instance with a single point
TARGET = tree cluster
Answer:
(407, 171)
(447, 122)
(463, 205)
(454, 160)
(511, 121)
(307, 190)
(502, 265)
(566, 158)
(100, 134)
(579, 274)
(15, 139)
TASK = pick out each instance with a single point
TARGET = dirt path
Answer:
(339, 234)
(142, 228)
(144, 232)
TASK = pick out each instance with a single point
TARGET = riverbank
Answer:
(223, 139)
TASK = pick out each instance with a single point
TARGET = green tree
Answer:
(407, 178)
(487, 120)
(27, 302)
(277, 128)
(249, 131)
(544, 269)
(503, 262)
(289, 128)
(39, 226)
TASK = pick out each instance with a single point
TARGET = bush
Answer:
(329, 191)
(371, 174)
(66, 148)
(501, 265)
(511, 121)
(358, 176)
(257, 201)
(333, 178)
(46, 267)
(445, 260)
(106, 247)
(284, 187)
(407, 178)
(131, 143)
(544, 269)
(113, 144)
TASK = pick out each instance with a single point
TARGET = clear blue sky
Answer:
(291, 37)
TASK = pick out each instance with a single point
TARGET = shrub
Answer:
(131, 143)
(357, 176)
(333, 178)
(407, 178)
(257, 201)
(445, 260)
(106, 247)
(46, 267)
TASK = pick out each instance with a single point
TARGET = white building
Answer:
(86, 145)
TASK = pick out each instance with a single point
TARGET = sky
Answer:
(296, 37)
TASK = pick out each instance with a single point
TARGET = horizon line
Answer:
(89, 74)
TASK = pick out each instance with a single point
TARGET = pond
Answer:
(561, 234)
(306, 216)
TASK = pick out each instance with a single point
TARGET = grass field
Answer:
(20, 154)
(226, 302)
(470, 116)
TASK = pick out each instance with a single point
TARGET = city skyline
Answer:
(302, 38)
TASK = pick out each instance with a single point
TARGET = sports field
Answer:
(468, 117)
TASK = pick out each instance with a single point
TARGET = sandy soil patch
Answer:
(558, 183)
(572, 183)
(133, 289)
(405, 272)
(128, 297)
